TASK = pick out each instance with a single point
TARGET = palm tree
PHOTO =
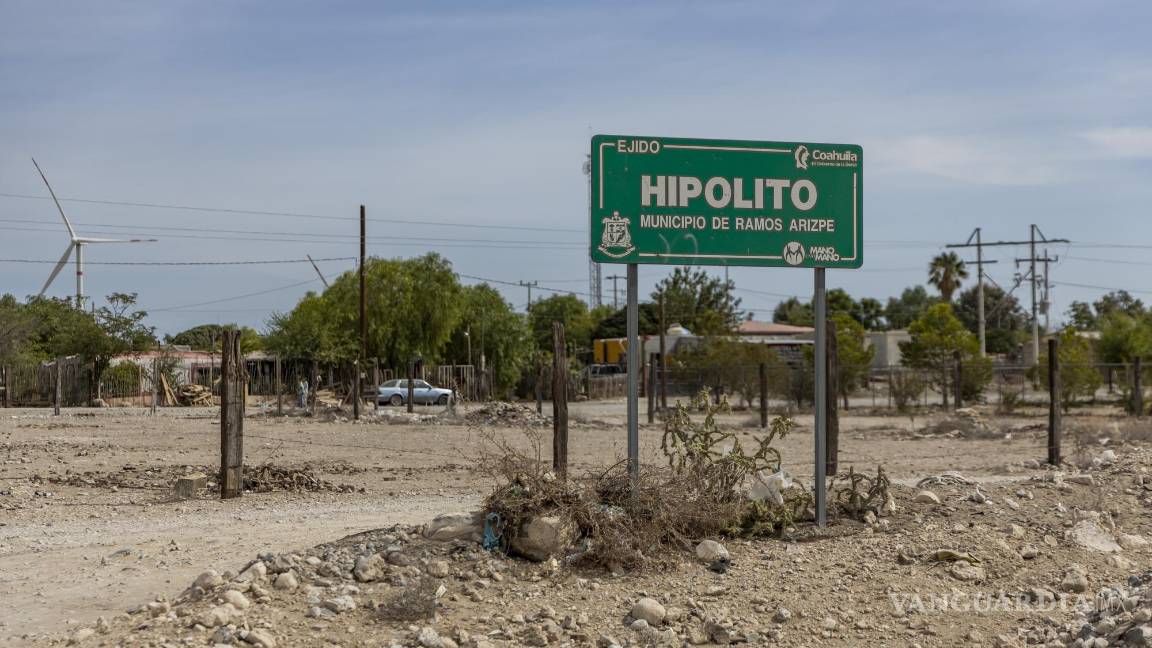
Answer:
(946, 272)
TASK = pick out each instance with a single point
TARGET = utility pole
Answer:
(363, 322)
(975, 240)
(615, 293)
(1034, 232)
(317, 269)
(1035, 235)
(529, 285)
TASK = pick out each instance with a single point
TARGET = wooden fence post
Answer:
(155, 384)
(356, 389)
(651, 387)
(56, 394)
(957, 378)
(411, 384)
(539, 385)
(376, 386)
(559, 401)
(1053, 402)
(832, 397)
(763, 396)
(1137, 388)
(314, 386)
(232, 388)
(279, 382)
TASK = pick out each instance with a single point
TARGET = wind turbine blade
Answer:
(59, 267)
(104, 240)
(71, 232)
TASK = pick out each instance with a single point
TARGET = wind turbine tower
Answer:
(76, 243)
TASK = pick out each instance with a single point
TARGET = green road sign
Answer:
(678, 201)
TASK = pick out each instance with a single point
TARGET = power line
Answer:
(188, 263)
(1116, 261)
(225, 299)
(1112, 289)
(257, 212)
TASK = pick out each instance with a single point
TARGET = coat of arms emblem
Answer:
(616, 239)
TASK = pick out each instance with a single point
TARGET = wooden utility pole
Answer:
(7, 384)
(1053, 402)
(279, 383)
(957, 379)
(56, 395)
(763, 396)
(1137, 388)
(559, 401)
(363, 324)
(232, 386)
(831, 398)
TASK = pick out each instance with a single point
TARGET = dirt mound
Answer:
(258, 479)
(965, 423)
(505, 413)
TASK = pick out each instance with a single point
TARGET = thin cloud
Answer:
(967, 160)
(1121, 142)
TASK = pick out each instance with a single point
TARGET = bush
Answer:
(906, 387)
(122, 380)
(975, 376)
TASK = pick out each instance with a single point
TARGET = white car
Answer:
(395, 392)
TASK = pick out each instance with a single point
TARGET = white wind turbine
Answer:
(76, 243)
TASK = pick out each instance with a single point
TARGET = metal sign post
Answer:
(678, 201)
(820, 403)
(633, 377)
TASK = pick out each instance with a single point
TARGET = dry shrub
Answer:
(416, 602)
(701, 493)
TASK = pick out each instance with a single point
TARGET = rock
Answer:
(1090, 535)
(782, 615)
(261, 638)
(439, 569)
(429, 638)
(340, 604)
(606, 641)
(256, 571)
(218, 616)
(710, 550)
(1131, 541)
(639, 625)
(80, 635)
(400, 559)
(1074, 581)
(1082, 479)
(717, 633)
(542, 537)
(189, 485)
(533, 636)
(456, 526)
(1028, 552)
(286, 581)
(962, 570)
(208, 580)
(649, 610)
(102, 625)
(368, 568)
(926, 497)
(238, 600)
(829, 623)
(1139, 635)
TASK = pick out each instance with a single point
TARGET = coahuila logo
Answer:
(801, 154)
(834, 158)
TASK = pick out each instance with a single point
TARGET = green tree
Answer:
(568, 309)
(733, 366)
(901, 312)
(936, 336)
(1081, 316)
(208, 337)
(1118, 301)
(871, 314)
(853, 353)
(413, 306)
(698, 301)
(1079, 377)
(1006, 323)
(946, 272)
(1124, 337)
(488, 325)
(794, 311)
(615, 325)
(16, 328)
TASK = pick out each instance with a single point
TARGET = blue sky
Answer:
(989, 114)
